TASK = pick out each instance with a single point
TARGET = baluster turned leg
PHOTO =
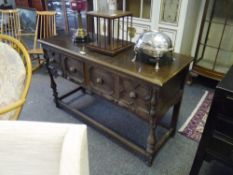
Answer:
(53, 84)
(151, 139)
(176, 110)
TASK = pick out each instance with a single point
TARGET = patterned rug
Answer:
(194, 125)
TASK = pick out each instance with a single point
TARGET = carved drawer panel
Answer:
(101, 81)
(135, 95)
(74, 69)
(55, 62)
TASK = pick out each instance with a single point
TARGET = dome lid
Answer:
(153, 43)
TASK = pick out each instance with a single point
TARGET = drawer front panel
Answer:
(224, 102)
(74, 69)
(222, 148)
(226, 105)
(224, 125)
(101, 81)
(55, 62)
(135, 95)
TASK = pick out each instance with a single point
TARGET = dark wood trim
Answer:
(207, 73)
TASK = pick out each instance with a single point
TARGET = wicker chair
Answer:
(18, 105)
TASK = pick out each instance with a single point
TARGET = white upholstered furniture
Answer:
(38, 148)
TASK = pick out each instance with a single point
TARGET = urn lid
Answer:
(153, 43)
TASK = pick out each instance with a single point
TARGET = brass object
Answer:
(81, 35)
(131, 32)
(109, 31)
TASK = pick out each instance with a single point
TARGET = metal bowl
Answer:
(153, 43)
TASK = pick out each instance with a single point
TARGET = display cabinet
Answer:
(21, 3)
(37, 4)
(177, 18)
(214, 53)
(61, 17)
(67, 18)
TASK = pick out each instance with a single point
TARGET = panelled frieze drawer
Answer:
(74, 69)
(55, 62)
(135, 95)
(66, 66)
(101, 81)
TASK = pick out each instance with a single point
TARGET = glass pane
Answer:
(227, 43)
(215, 34)
(134, 6)
(119, 4)
(220, 11)
(72, 16)
(209, 11)
(200, 51)
(230, 15)
(27, 20)
(102, 5)
(224, 61)
(208, 59)
(146, 9)
(204, 32)
(57, 6)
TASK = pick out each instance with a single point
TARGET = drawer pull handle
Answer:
(52, 60)
(72, 69)
(230, 98)
(59, 73)
(132, 95)
(99, 80)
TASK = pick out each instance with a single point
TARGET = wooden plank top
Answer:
(122, 61)
(109, 13)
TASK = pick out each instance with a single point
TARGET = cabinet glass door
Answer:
(56, 5)
(215, 50)
(67, 18)
(139, 8)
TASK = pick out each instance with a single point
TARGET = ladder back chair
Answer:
(45, 28)
(10, 23)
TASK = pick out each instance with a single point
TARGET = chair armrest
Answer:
(12, 106)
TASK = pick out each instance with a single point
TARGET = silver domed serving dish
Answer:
(154, 44)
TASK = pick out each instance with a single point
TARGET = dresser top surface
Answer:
(122, 61)
(110, 13)
(227, 82)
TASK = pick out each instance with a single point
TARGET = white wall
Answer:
(189, 31)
